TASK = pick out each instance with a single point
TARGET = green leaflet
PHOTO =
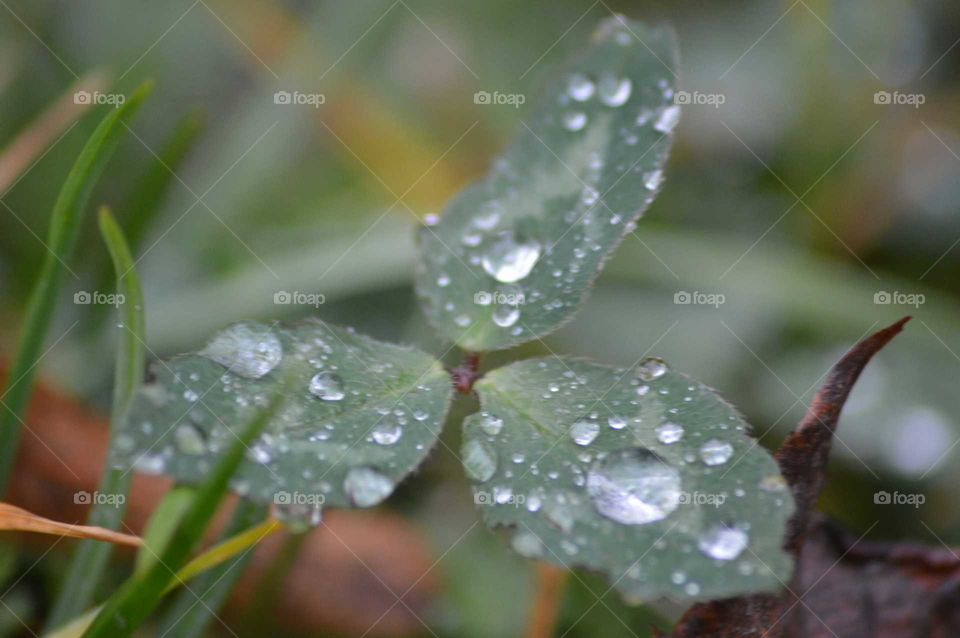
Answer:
(644, 475)
(514, 255)
(361, 415)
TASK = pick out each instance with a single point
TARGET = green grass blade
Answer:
(90, 559)
(193, 609)
(64, 225)
(161, 526)
(139, 596)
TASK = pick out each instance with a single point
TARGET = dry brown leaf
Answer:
(15, 519)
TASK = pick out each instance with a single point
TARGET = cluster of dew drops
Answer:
(507, 255)
(631, 486)
(251, 352)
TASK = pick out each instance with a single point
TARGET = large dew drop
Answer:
(505, 315)
(248, 349)
(580, 87)
(584, 431)
(652, 368)
(614, 91)
(634, 486)
(723, 543)
(668, 118)
(326, 386)
(669, 433)
(386, 433)
(716, 452)
(508, 259)
(479, 461)
(574, 120)
(367, 487)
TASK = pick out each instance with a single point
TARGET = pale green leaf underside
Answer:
(344, 440)
(583, 168)
(703, 531)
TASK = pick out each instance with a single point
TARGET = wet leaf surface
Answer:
(644, 475)
(515, 254)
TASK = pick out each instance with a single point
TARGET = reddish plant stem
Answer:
(465, 374)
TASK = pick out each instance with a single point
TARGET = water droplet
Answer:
(669, 433)
(634, 486)
(491, 423)
(614, 91)
(488, 218)
(527, 544)
(150, 464)
(248, 349)
(580, 87)
(298, 518)
(505, 315)
(652, 368)
(326, 386)
(716, 452)
(773, 483)
(558, 511)
(617, 422)
(367, 487)
(584, 431)
(574, 120)
(668, 118)
(260, 452)
(508, 259)
(189, 439)
(723, 543)
(653, 180)
(386, 433)
(479, 461)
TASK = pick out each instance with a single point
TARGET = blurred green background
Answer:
(800, 199)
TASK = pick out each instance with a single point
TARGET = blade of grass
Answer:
(64, 225)
(161, 526)
(90, 558)
(28, 146)
(237, 548)
(192, 611)
(139, 596)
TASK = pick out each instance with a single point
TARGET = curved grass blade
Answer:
(89, 561)
(64, 226)
(139, 596)
(192, 611)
